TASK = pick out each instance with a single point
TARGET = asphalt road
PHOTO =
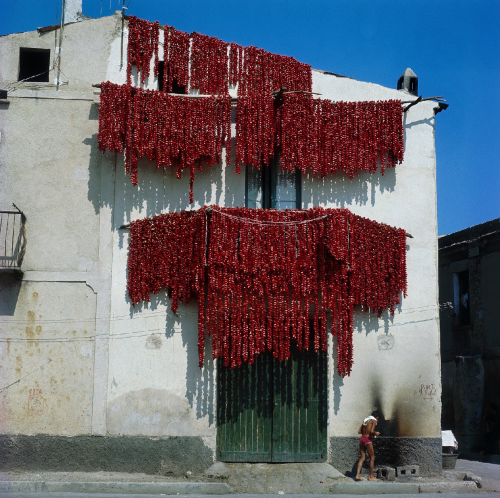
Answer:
(488, 472)
(108, 495)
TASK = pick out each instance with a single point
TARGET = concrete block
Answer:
(408, 471)
(386, 473)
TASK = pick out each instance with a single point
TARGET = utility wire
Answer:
(156, 314)
(140, 333)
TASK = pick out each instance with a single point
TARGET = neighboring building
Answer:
(88, 382)
(469, 283)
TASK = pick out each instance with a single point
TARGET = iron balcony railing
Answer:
(12, 239)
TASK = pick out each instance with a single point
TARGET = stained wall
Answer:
(128, 373)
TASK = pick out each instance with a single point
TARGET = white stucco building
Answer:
(111, 387)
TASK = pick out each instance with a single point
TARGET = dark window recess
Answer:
(461, 297)
(180, 89)
(34, 64)
(271, 188)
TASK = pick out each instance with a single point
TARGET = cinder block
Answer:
(408, 471)
(386, 473)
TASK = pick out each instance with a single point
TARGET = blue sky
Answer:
(452, 45)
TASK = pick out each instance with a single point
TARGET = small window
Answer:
(461, 297)
(270, 187)
(180, 89)
(34, 65)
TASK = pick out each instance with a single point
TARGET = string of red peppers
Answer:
(260, 275)
(176, 56)
(209, 65)
(171, 131)
(324, 137)
(311, 134)
(142, 44)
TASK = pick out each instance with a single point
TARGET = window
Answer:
(34, 65)
(180, 89)
(461, 297)
(270, 187)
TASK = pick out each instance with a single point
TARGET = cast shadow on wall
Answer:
(110, 187)
(159, 191)
(10, 287)
(340, 190)
(367, 322)
(200, 382)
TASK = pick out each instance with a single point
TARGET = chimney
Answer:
(408, 81)
(72, 11)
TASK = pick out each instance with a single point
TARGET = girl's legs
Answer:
(361, 460)
(369, 450)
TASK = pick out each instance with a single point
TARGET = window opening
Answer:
(179, 89)
(461, 297)
(34, 64)
(270, 187)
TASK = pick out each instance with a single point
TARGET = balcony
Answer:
(12, 240)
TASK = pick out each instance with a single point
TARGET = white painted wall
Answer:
(143, 378)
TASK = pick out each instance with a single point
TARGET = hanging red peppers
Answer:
(255, 131)
(209, 60)
(171, 131)
(263, 278)
(313, 135)
(324, 137)
(142, 44)
(264, 72)
(265, 273)
(176, 55)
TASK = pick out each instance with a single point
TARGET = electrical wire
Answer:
(156, 314)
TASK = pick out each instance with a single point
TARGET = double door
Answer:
(273, 411)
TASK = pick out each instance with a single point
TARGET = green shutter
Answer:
(273, 411)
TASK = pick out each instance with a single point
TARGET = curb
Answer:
(152, 488)
(220, 488)
(392, 488)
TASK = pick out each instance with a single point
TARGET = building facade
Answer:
(469, 276)
(90, 382)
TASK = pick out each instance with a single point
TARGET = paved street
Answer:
(85, 485)
(488, 472)
(105, 495)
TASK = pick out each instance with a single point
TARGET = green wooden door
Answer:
(273, 411)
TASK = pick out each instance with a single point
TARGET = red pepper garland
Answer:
(176, 55)
(113, 116)
(324, 137)
(264, 72)
(255, 131)
(209, 65)
(311, 134)
(265, 273)
(142, 44)
(171, 131)
(235, 63)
